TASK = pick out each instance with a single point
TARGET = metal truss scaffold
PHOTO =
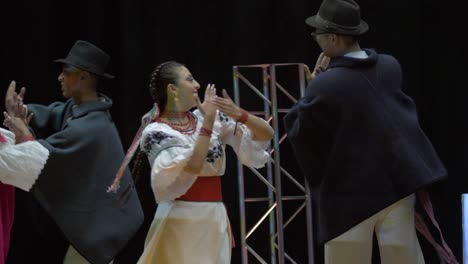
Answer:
(274, 216)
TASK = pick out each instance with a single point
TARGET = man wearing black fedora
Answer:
(72, 219)
(360, 147)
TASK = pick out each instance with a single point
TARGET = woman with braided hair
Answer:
(186, 153)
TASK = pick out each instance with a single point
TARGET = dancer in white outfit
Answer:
(186, 153)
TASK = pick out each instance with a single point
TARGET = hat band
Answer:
(84, 65)
(327, 24)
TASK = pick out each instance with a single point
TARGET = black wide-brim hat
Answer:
(88, 57)
(340, 17)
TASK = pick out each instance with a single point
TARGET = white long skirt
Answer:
(188, 232)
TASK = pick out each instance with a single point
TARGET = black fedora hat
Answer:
(340, 17)
(88, 57)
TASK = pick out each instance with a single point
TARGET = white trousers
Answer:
(396, 235)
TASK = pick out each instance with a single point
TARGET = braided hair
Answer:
(163, 75)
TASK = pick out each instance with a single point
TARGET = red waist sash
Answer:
(204, 189)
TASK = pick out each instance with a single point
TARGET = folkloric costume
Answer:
(191, 224)
(85, 153)
(20, 165)
(358, 142)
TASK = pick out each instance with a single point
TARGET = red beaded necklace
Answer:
(187, 127)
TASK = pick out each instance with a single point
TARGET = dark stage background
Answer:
(210, 36)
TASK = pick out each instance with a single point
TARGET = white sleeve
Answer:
(168, 155)
(249, 152)
(20, 165)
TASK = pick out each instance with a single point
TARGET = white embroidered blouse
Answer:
(169, 151)
(21, 164)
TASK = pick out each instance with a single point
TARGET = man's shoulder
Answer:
(387, 59)
(334, 77)
(92, 123)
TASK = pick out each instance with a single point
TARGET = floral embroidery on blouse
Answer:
(223, 117)
(214, 153)
(155, 138)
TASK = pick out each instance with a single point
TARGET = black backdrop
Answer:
(210, 36)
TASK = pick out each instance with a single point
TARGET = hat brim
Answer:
(361, 29)
(105, 75)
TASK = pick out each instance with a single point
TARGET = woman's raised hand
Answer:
(12, 99)
(208, 107)
(227, 106)
(16, 125)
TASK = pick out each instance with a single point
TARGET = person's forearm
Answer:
(260, 128)
(23, 136)
(195, 164)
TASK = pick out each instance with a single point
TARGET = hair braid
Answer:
(163, 75)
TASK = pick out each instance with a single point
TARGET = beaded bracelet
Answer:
(26, 138)
(205, 132)
(242, 119)
(244, 116)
